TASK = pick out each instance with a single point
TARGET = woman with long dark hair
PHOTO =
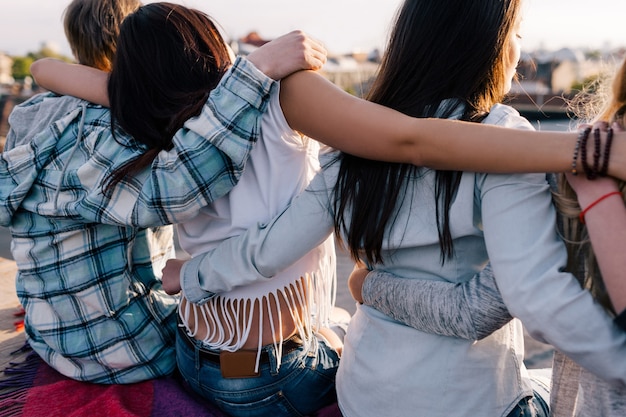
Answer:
(455, 60)
(83, 198)
(593, 220)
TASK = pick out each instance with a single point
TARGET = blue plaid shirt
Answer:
(89, 263)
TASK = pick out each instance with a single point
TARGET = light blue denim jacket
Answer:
(506, 219)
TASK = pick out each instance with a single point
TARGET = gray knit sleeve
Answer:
(470, 310)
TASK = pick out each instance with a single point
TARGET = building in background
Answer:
(6, 70)
(549, 81)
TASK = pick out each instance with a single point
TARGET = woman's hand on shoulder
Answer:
(287, 54)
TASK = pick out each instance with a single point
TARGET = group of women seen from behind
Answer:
(428, 215)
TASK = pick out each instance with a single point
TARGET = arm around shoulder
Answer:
(72, 79)
(320, 109)
(263, 250)
(471, 310)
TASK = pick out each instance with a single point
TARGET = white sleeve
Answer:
(528, 259)
(264, 250)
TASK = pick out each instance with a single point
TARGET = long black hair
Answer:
(168, 59)
(438, 50)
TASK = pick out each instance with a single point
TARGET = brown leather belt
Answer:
(289, 345)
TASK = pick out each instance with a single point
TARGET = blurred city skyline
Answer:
(343, 25)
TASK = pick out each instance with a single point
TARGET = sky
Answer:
(342, 25)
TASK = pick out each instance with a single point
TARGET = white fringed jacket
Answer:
(281, 165)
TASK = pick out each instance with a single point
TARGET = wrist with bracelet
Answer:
(601, 153)
(603, 197)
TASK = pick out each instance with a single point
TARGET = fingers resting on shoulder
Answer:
(289, 53)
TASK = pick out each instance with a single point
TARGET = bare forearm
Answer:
(485, 148)
(72, 79)
(606, 225)
(321, 110)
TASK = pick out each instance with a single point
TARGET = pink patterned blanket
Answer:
(33, 389)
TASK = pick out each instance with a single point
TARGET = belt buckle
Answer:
(239, 364)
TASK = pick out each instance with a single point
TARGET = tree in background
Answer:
(21, 67)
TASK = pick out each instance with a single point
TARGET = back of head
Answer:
(442, 49)
(169, 58)
(92, 28)
(438, 50)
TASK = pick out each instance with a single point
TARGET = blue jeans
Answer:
(304, 383)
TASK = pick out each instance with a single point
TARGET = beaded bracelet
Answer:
(607, 151)
(583, 133)
(583, 154)
(593, 173)
(581, 216)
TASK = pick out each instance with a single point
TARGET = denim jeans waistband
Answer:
(211, 355)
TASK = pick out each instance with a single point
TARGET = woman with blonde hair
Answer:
(594, 228)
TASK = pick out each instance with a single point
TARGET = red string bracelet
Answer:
(582, 213)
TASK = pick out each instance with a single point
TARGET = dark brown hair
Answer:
(168, 59)
(441, 53)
